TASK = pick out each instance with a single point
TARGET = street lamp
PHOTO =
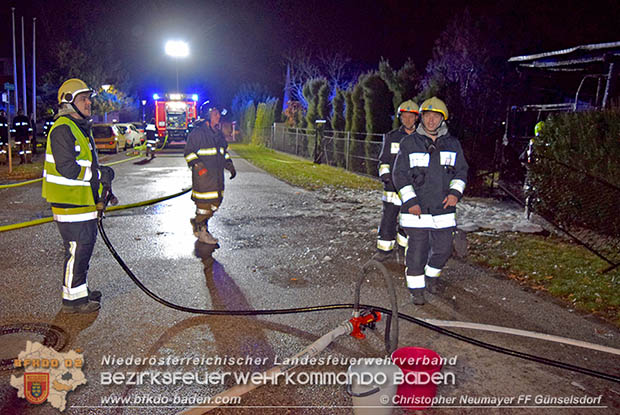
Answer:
(177, 49)
(105, 88)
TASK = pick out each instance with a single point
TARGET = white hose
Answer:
(524, 333)
(345, 328)
(238, 390)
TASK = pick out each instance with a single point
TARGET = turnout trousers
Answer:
(429, 251)
(204, 212)
(79, 241)
(390, 233)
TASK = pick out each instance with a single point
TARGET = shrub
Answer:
(378, 111)
(576, 171)
(338, 124)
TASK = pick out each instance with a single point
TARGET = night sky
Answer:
(236, 42)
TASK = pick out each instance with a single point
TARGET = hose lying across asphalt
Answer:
(6, 186)
(47, 219)
(326, 307)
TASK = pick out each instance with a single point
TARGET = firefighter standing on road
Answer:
(430, 173)
(22, 131)
(206, 153)
(388, 236)
(72, 182)
(4, 137)
(151, 138)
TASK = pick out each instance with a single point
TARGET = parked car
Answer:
(131, 136)
(107, 137)
(139, 126)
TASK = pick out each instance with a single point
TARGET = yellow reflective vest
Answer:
(59, 189)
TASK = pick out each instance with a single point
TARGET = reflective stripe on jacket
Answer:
(207, 146)
(425, 172)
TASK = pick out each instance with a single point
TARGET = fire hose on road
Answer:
(356, 307)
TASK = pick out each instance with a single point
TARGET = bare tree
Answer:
(335, 67)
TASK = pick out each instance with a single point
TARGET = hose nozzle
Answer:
(366, 319)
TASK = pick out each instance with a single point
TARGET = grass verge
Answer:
(28, 171)
(551, 264)
(301, 172)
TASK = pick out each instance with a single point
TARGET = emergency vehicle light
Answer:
(176, 105)
(175, 96)
(155, 97)
(195, 97)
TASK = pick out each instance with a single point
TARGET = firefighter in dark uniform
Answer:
(388, 236)
(72, 183)
(151, 138)
(4, 137)
(22, 131)
(206, 153)
(430, 173)
(33, 134)
(48, 124)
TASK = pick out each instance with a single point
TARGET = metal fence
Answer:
(581, 205)
(573, 201)
(359, 153)
(356, 152)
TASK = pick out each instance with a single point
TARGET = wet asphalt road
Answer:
(281, 247)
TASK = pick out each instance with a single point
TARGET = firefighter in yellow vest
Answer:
(72, 183)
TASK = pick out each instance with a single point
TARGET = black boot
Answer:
(94, 295)
(431, 284)
(417, 296)
(383, 256)
(83, 308)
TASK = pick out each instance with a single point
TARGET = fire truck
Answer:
(174, 116)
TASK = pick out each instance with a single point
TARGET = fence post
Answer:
(346, 150)
(296, 139)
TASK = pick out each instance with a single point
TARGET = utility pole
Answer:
(14, 59)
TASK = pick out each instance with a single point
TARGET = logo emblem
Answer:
(36, 387)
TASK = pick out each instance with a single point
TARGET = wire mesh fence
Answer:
(580, 204)
(356, 152)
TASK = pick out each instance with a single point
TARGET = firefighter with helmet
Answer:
(72, 184)
(151, 138)
(23, 132)
(206, 153)
(430, 173)
(389, 235)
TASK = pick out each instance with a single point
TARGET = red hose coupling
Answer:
(367, 319)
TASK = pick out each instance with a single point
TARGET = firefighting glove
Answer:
(106, 175)
(232, 171)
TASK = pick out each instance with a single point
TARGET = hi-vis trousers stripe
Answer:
(402, 240)
(415, 281)
(80, 291)
(432, 272)
(391, 197)
(385, 245)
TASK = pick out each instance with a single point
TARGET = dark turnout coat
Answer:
(425, 172)
(207, 148)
